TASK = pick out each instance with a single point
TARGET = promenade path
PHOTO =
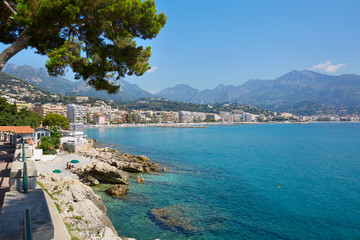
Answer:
(6, 158)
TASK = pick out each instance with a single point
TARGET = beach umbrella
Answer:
(57, 171)
(74, 161)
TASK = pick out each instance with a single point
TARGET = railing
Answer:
(27, 225)
(27, 214)
(25, 178)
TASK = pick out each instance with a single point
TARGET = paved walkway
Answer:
(6, 156)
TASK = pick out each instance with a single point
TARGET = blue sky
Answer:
(209, 42)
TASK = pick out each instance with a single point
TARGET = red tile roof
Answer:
(42, 128)
(17, 129)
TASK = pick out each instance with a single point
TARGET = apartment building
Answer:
(186, 116)
(44, 109)
(22, 104)
(76, 113)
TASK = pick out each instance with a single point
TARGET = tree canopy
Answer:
(95, 38)
(53, 120)
(10, 116)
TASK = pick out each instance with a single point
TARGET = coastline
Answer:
(81, 209)
(197, 125)
(170, 125)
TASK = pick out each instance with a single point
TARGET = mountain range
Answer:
(280, 93)
(289, 89)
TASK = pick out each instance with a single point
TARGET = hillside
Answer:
(19, 89)
(281, 94)
(159, 104)
(22, 90)
(60, 85)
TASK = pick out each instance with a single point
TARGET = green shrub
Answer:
(71, 208)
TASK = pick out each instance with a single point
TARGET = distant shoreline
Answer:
(194, 125)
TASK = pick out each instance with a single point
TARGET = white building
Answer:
(213, 117)
(187, 117)
(226, 116)
(76, 113)
(248, 117)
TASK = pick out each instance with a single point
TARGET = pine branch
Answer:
(7, 5)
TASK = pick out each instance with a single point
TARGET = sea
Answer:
(269, 181)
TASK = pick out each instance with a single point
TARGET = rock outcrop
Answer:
(108, 173)
(122, 161)
(90, 181)
(82, 210)
(103, 172)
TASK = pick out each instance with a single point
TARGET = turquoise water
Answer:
(225, 177)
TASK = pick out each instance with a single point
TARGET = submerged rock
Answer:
(175, 217)
(118, 189)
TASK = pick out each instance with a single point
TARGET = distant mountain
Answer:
(60, 85)
(279, 94)
(181, 92)
(289, 89)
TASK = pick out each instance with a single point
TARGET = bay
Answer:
(270, 181)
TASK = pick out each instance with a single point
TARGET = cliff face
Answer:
(81, 209)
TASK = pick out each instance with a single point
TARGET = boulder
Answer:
(140, 180)
(83, 171)
(127, 166)
(103, 172)
(164, 169)
(142, 158)
(90, 181)
(107, 173)
(118, 189)
(152, 166)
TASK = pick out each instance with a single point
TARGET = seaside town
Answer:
(240, 121)
(82, 113)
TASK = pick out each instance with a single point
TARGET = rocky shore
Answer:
(83, 211)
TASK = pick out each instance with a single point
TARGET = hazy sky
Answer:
(209, 42)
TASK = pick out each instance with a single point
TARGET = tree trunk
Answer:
(20, 44)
